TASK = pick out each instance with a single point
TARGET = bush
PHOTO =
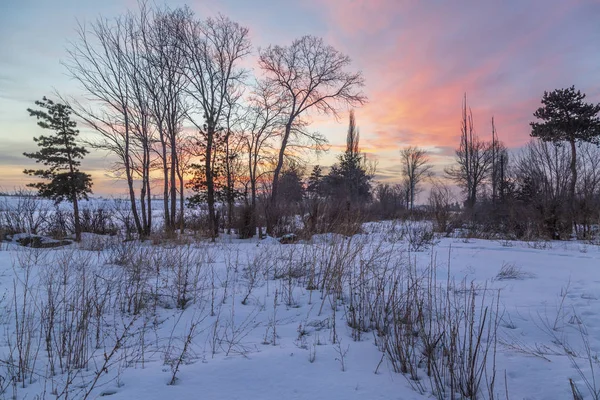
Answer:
(511, 271)
(245, 223)
(419, 235)
(39, 242)
(99, 220)
(23, 213)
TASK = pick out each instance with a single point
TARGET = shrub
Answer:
(511, 271)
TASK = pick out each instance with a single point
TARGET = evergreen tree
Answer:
(198, 184)
(567, 118)
(221, 187)
(315, 180)
(349, 180)
(290, 185)
(62, 157)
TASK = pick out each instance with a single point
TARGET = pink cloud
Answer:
(420, 58)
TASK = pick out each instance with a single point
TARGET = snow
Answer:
(549, 305)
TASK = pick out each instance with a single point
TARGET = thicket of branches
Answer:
(169, 96)
(549, 189)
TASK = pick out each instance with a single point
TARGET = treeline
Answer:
(549, 189)
(172, 100)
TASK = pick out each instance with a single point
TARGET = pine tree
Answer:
(315, 181)
(290, 185)
(567, 118)
(61, 154)
(349, 180)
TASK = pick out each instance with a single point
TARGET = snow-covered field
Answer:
(262, 320)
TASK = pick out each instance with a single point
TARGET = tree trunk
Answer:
(149, 207)
(472, 197)
(230, 207)
(134, 211)
(252, 166)
(230, 197)
(165, 182)
(143, 208)
(253, 219)
(77, 220)
(128, 174)
(143, 193)
(173, 183)
(210, 188)
(573, 183)
(181, 198)
(146, 184)
(271, 209)
(74, 195)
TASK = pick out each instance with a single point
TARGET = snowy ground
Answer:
(285, 341)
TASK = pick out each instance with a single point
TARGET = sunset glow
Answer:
(418, 59)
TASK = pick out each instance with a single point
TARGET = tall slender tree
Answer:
(499, 168)
(307, 75)
(214, 49)
(130, 68)
(165, 84)
(97, 60)
(62, 156)
(473, 158)
(262, 124)
(349, 180)
(415, 169)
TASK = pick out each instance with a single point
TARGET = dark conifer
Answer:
(349, 180)
(567, 118)
(62, 157)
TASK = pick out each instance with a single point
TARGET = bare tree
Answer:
(440, 203)
(415, 169)
(390, 199)
(588, 189)
(233, 144)
(473, 159)
(213, 50)
(543, 175)
(499, 169)
(307, 75)
(547, 166)
(97, 60)
(142, 127)
(130, 67)
(165, 83)
(263, 123)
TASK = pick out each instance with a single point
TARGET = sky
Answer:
(418, 57)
